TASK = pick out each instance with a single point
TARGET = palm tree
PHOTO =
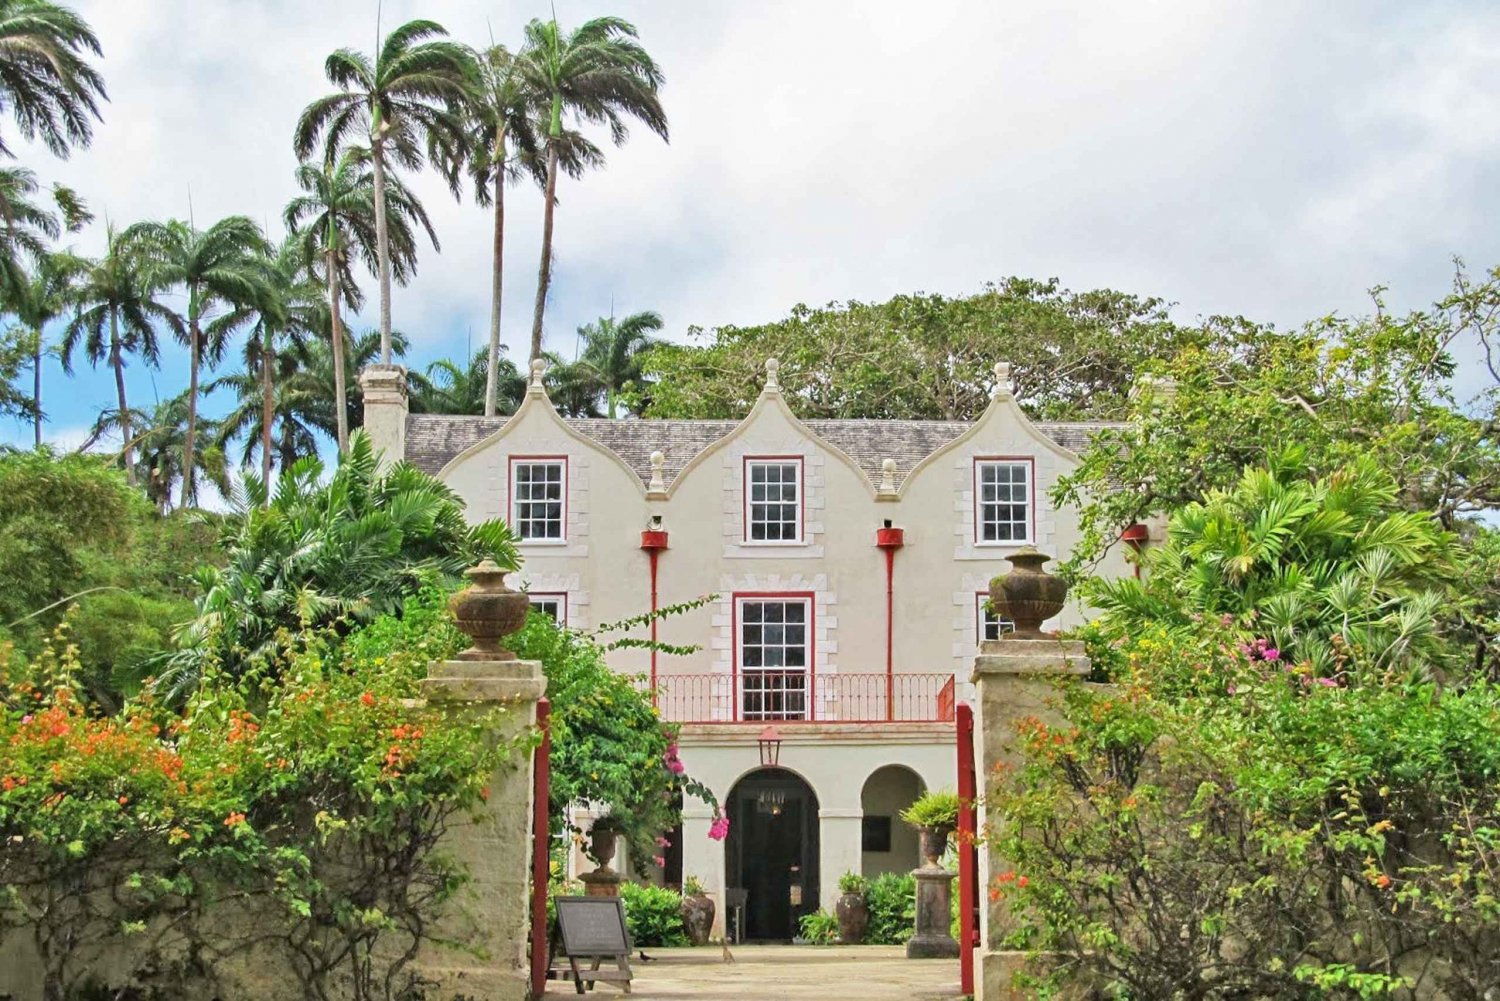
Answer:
(26, 228)
(499, 115)
(407, 99)
(220, 268)
(601, 75)
(45, 78)
(44, 298)
(160, 435)
(289, 314)
(117, 308)
(613, 350)
(449, 388)
(335, 218)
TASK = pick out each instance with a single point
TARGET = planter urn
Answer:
(487, 611)
(853, 912)
(1028, 595)
(603, 881)
(697, 917)
(934, 844)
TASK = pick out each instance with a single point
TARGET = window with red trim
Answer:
(775, 650)
(1002, 501)
(773, 500)
(538, 488)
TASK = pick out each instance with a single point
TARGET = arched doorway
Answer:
(772, 851)
(890, 844)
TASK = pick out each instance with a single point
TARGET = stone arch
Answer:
(772, 850)
(887, 791)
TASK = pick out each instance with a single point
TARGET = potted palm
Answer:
(697, 911)
(852, 909)
(934, 815)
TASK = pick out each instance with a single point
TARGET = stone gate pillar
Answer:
(491, 914)
(1014, 678)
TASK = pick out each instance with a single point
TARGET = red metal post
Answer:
(968, 851)
(541, 781)
(653, 540)
(889, 540)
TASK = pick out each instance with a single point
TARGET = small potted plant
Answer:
(935, 815)
(697, 911)
(852, 909)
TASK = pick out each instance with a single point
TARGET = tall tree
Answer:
(44, 298)
(599, 74)
(117, 309)
(499, 118)
(613, 349)
(406, 101)
(335, 217)
(159, 435)
(220, 270)
(450, 388)
(290, 312)
(27, 228)
(45, 78)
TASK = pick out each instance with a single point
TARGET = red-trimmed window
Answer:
(1004, 501)
(774, 646)
(538, 498)
(988, 625)
(554, 604)
(773, 499)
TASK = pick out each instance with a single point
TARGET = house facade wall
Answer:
(837, 566)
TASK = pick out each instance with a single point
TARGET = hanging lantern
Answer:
(770, 747)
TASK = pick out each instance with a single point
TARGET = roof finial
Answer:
(887, 477)
(658, 484)
(773, 383)
(538, 369)
(1003, 389)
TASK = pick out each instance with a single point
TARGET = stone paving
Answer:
(785, 973)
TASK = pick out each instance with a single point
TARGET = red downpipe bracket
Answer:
(968, 853)
(653, 541)
(889, 540)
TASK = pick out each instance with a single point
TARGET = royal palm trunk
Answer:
(117, 361)
(382, 239)
(497, 283)
(195, 355)
(336, 331)
(36, 387)
(544, 272)
(267, 411)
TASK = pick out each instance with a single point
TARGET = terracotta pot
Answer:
(934, 844)
(854, 918)
(1028, 595)
(698, 917)
(487, 611)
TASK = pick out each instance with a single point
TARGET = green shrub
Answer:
(852, 882)
(653, 915)
(938, 809)
(819, 928)
(892, 901)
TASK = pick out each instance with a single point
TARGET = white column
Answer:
(840, 849)
(703, 857)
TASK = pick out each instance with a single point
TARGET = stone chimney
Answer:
(384, 388)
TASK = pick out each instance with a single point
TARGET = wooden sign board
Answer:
(593, 928)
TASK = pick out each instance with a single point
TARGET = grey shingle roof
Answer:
(432, 440)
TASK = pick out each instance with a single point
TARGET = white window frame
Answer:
(799, 500)
(559, 601)
(787, 701)
(1028, 500)
(516, 521)
(984, 618)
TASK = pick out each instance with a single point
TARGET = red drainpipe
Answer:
(1136, 537)
(541, 778)
(890, 539)
(653, 541)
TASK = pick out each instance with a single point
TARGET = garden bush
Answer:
(653, 915)
(819, 928)
(1289, 791)
(892, 900)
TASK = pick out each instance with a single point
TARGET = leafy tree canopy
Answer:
(1073, 355)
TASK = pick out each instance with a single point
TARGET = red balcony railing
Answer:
(779, 696)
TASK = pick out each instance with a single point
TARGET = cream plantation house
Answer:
(848, 560)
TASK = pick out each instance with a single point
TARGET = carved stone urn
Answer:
(487, 610)
(934, 845)
(1028, 595)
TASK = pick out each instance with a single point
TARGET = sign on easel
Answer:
(591, 930)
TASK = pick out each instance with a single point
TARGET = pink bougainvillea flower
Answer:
(676, 767)
(1271, 653)
(719, 829)
(1328, 682)
(660, 862)
(663, 843)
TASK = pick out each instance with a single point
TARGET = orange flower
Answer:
(1382, 881)
(234, 819)
(367, 699)
(124, 800)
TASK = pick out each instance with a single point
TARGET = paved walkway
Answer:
(785, 973)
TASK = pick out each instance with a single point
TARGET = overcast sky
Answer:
(1268, 159)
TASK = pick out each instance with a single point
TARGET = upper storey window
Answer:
(538, 491)
(773, 500)
(1003, 508)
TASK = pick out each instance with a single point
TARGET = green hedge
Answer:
(653, 914)
(892, 899)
